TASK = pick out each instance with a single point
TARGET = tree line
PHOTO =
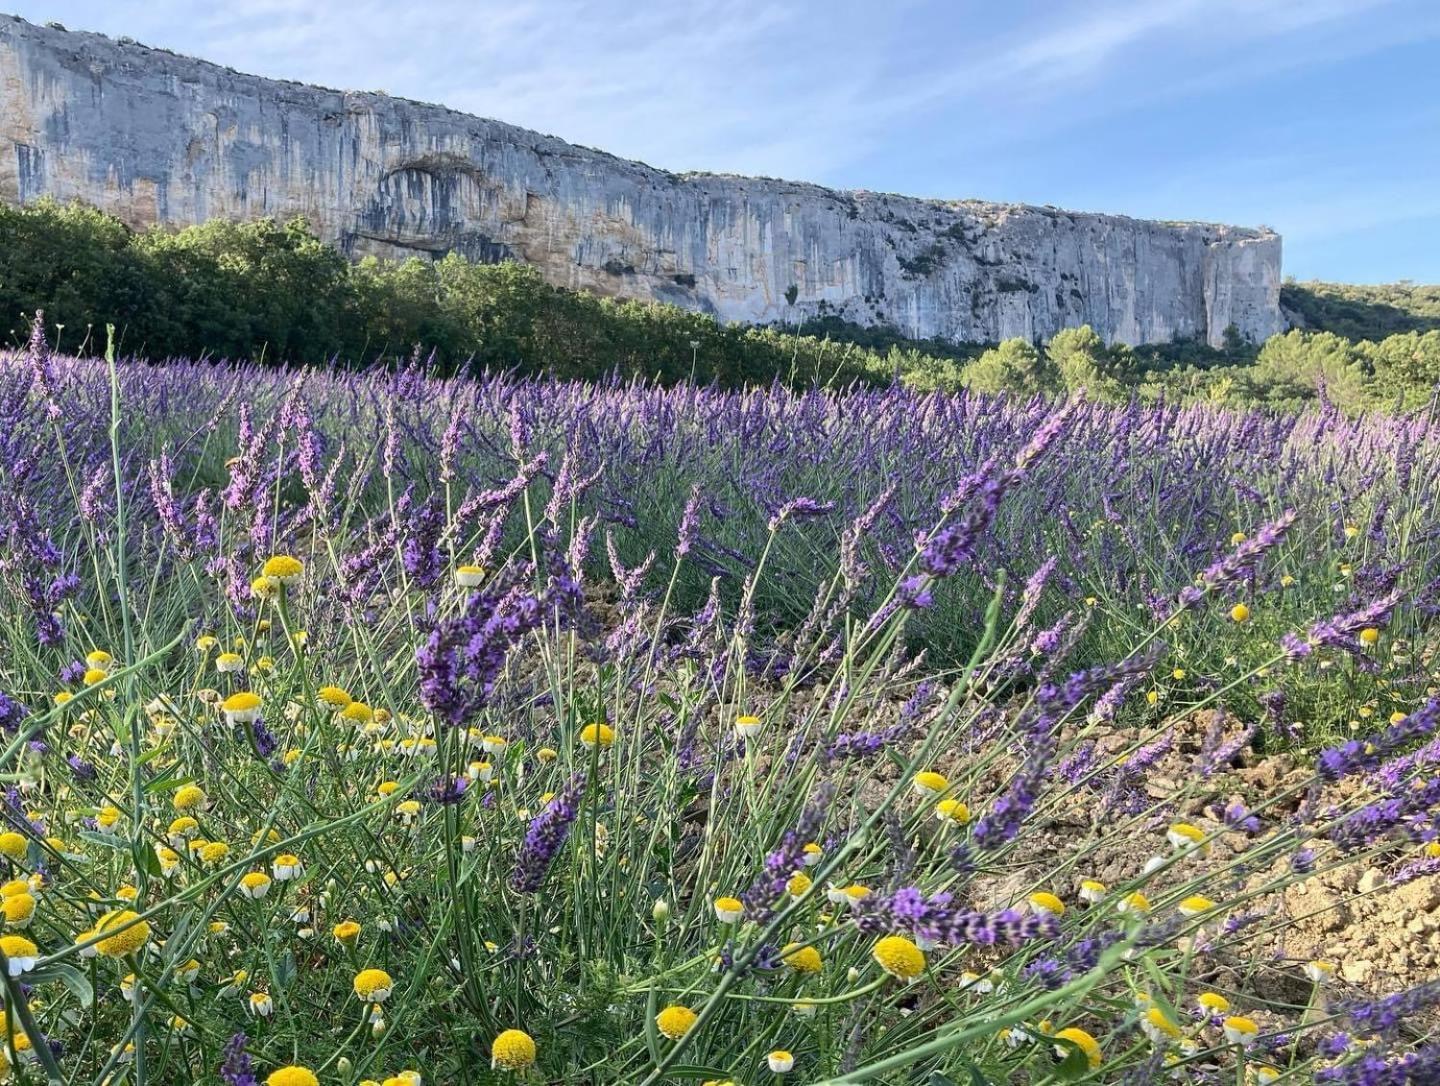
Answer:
(272, 291)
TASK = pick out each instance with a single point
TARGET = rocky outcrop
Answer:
(158, 138)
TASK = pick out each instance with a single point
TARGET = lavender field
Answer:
(366, 727)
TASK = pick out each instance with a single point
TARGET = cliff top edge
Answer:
(90, 43)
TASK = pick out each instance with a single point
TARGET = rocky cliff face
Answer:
(158, 138)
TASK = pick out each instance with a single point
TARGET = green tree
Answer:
(75, 263)
(1013, 366)
(1291, 368)
(1082, 360)
(1406, 367)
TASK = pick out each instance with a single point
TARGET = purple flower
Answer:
(1034, 587)
(1216, 751)
(1342, 631)
(12, 713)
(914, 593)
(1406, 809)
(42, 371)
(1240, 562)
(260, 736)
(1001, 823)
(934, 918)
(799, 509)
(689, 523)
(781, 864)
(628, 580)
(421, 553)
(548, 831)
(237, 1070)
(446, 791)
(1358, 755)
(1380, 1067)
(1236, 817)
(462, 657)
(848, 745)
(167, 509)
(1385, 1015)
(521, 429)
(450, 442)
(1417, 869)
(1047, 972)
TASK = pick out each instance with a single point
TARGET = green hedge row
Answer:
(273, 291)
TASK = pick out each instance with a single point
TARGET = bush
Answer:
(1363, 312)
(1014, 366)
(1292, 368)
(273, 292)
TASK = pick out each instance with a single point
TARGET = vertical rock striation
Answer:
(153, 137)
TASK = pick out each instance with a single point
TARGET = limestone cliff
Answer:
(158, 138)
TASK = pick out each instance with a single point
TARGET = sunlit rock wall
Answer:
(158, 138)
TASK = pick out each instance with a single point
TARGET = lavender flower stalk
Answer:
(548, 831)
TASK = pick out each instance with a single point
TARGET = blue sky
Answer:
(1320, 118)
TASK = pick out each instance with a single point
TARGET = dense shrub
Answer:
(273, 292)
(1363, 312)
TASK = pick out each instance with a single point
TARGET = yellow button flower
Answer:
(802, 959)
(1240, 1031)
(20, 952)
(241, 708)
(952, 811)
(294, 1075)
(1196, 904)
(189, 797)
(282, 569)
(332, 697)
(675, 1021)
(1213, 1003)
(1046, 904)
(18, 910)
(899, 957)
(346, 932)
(513, 1050)
(1183, 836)
(255, 885)
(930, 783)
(1136, 904)
(1082, 1040)
(124, 933)
(373, 985)
(597, 734)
